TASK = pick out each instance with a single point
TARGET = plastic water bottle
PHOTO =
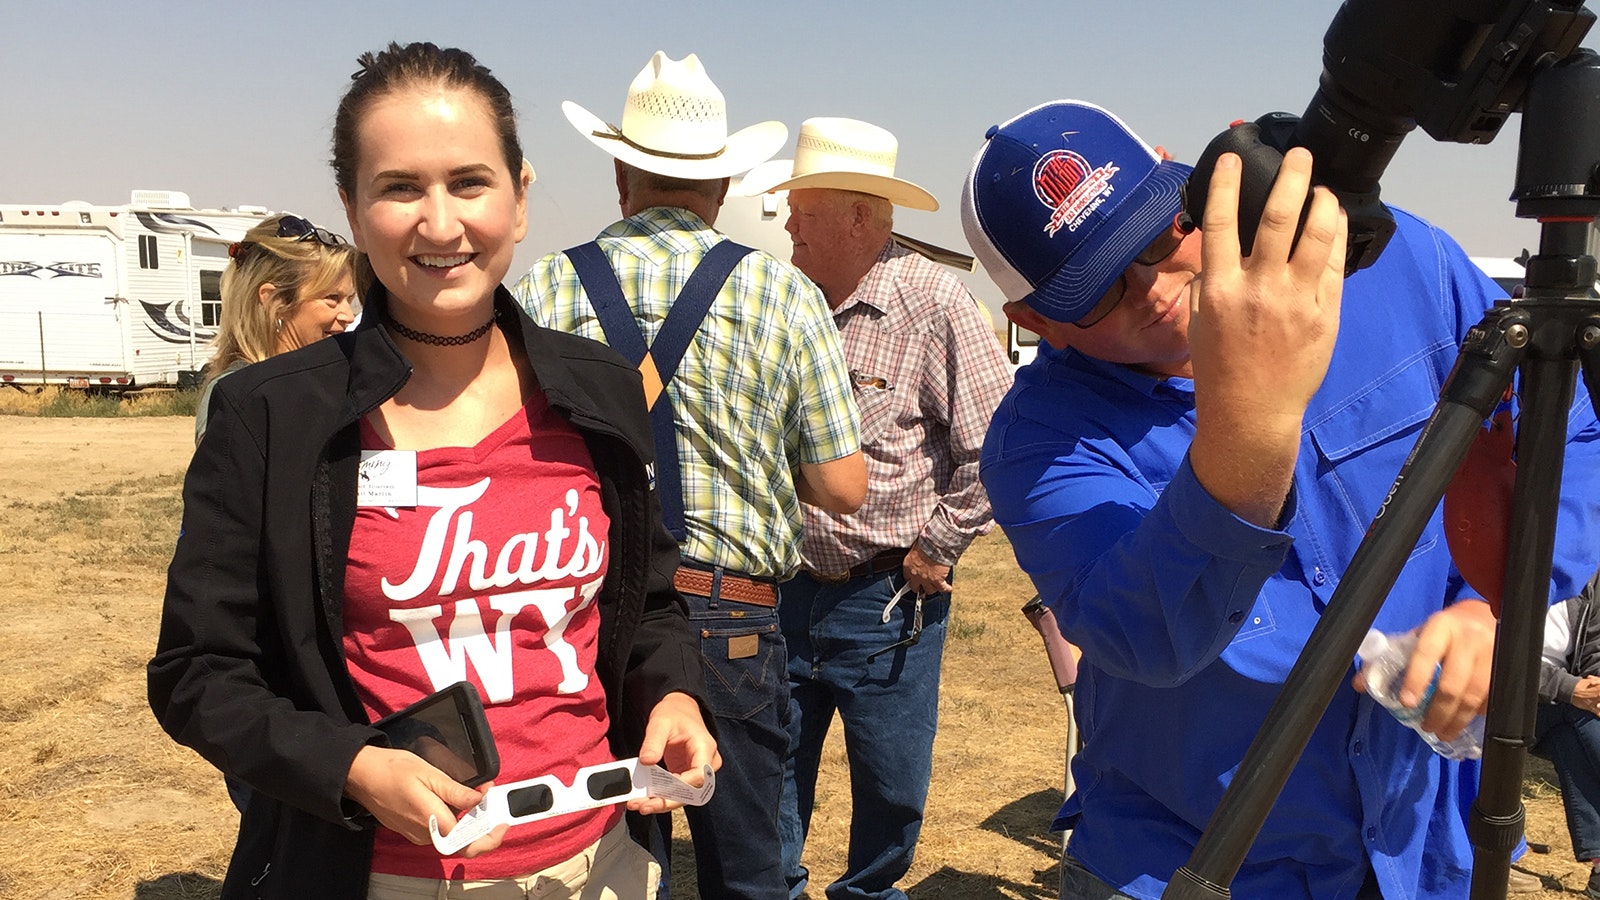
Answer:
(1383, 660)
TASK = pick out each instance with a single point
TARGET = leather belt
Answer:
(733, 587)
(887, 561)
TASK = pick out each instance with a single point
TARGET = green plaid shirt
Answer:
(762, 388)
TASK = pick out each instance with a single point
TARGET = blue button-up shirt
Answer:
(1191, 618)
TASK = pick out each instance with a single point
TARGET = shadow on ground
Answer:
(179, 886)
(1025, 820)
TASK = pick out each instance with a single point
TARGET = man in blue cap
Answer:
(1185, 473)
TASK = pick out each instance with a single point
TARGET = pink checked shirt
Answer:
(927, 373)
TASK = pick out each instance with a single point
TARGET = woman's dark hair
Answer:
(397, 68)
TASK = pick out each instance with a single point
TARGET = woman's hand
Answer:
(403, 791)
(677, 738)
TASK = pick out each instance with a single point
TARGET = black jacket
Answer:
(249, 669)
(1581, 655)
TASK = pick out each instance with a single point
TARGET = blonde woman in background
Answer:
(290, 284)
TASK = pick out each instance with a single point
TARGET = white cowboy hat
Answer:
(675, 123)
(846, 154)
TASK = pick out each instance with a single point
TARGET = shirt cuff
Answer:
(944, 543)
(1566, 682)
(1215, 529)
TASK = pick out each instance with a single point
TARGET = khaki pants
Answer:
(612, 868)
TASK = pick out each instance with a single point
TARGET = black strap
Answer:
(625, 335)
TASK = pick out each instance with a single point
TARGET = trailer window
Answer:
(147, 252)
(210, 298)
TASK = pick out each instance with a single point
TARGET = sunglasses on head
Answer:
(1154, 254)
(302, 230)
(289, 227)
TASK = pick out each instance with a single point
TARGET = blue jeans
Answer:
(1078, 883)
(1570, 739)
(890, 710)
(736, 842)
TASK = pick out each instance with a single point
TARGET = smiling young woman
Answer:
(446, 493)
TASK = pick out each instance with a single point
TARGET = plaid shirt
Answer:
(928, 374)
(761, 389)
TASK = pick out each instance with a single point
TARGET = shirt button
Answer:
(1372, 833)
(1320, 577)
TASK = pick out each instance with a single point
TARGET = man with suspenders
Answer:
(753, 413)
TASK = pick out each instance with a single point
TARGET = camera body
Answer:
(1458, 68)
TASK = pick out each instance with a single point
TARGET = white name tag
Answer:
(388, 478)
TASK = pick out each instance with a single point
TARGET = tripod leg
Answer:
(1589, 353)
(1483, 369)
(1496, 824)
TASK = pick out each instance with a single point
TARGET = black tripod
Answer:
(1543, 335)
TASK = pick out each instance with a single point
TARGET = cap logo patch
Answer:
(1071, 188)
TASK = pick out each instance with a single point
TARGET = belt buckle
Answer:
(830, 577)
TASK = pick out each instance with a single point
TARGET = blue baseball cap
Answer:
(1060, 200)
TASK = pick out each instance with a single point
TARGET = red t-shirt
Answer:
(491, 579)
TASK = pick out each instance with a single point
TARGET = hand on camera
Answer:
(1261, 334)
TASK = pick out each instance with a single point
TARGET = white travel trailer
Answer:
(112, 297)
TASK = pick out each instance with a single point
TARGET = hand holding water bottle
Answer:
(1436, 677)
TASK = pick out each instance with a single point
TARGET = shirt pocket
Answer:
(1363, 445)
(886, 378)
(875, 399)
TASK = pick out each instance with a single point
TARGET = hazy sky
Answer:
(232, 102)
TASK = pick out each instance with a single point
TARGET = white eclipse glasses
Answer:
(594, 786)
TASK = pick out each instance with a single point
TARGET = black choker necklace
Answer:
(439, 340)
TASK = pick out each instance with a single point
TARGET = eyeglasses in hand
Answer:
(909, 640)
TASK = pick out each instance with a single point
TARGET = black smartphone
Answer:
(448, 729)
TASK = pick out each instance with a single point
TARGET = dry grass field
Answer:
(95, 802)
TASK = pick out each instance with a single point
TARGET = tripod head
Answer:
(1558, 161)
(1558, 174)
(1455, 67)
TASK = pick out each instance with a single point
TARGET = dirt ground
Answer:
(95, 802)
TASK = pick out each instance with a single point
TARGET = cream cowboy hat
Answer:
(675, 123)
(846, 154)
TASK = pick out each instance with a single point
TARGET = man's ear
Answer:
(622, 186)
(860, 216)
(1025, 316)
